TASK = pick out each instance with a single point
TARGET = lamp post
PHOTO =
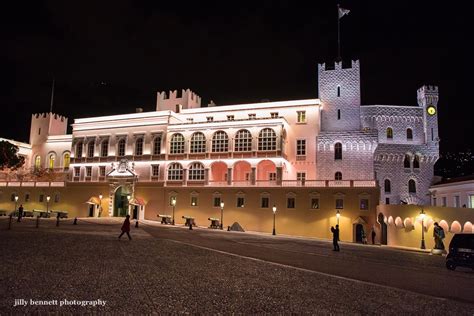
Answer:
(274, 212)
(338, 214)
(422, 216)
(222, 214)
(128, 207)
(100, 204)
(173, 203)
(47, 204)
(16, 203)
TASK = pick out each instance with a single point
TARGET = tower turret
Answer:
(428, 99)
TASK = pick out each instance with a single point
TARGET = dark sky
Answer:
(111, 57)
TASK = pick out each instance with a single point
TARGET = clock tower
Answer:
(428, 100)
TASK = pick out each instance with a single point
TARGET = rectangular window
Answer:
(247, 176)
(444, 201)
(290, 202)
(301, 177)
(102, 171)
(210, 119)
(190, 119)
(264, 202)
(240, 202)
(339, 204)
(27, 197)
(364, 204)
(387, 201)
(194, 200)
(77, 171)
(88, 171)
(434, 201)
(456, 201)
(301, 117)
(230, 117)
(272, 176)
(338, 114)
(432, 134)
(301, 147)
(314, 203)
(252, 116)
(274, 115)
(217, 201)
(56, 198)
(41, 198)
(157, 145)
(155, 170)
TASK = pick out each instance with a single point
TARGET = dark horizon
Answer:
(111, 59)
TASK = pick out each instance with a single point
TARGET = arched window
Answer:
(267, 139)
(121, 148)
(66, 161)
(338, 151)
(387, 186)
(406, 161)
(90, 149)
(79, 150)
(139, 147)
(157, 145)
(416, 162)
(104, 148)
(338, 176)
(51, 159)
(389, 133)
(198, 143)
(243, 141)
(38, 162)
(411, 186)
(409, 134)
(220, 142)
(196, 171)
(175, 172)
(177, 144)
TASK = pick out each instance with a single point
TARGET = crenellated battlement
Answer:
(187, 99)
(429, 89)
(49, 115)
(46, 124)
(338, 66)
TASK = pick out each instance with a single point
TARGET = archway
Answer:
(242, 171)
(383, 229)
(218, 171)
(121, 202)
(264, 170)
(358, 230)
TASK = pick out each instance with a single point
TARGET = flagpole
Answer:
(338, 35)
(52, 98)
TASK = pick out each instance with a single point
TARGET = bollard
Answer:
(37, 221)
(136, 224)
(190, 225)
(10, 222)
(75, 221)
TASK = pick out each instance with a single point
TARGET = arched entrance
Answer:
(242, 171)
(359, 232)
(266, 170)
(383, 229)
(218, 172)
(121, 201)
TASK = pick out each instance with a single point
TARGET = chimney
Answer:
(138, 110)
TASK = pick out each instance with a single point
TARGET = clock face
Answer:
(431, 110)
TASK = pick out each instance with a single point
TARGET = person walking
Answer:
(335, 237)
(373, 234)
(126, 227)
(20, 212)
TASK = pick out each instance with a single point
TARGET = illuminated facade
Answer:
(299, 150)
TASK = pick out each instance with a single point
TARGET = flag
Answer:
(343, 12)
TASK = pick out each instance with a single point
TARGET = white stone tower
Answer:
(428, 100)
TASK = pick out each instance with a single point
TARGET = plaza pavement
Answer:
(154, 275)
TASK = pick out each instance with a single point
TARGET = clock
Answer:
(431, 110)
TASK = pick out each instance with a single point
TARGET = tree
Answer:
(9, 156)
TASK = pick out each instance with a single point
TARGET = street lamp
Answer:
(274, 212)
(128, 208)
(47, 204)
(16, 203)
(222, 214)
(100, 204)
(422, 216)
(173, 203)
(338, 214)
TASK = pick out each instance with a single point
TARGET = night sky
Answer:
(111, 57)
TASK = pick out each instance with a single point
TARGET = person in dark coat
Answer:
(373, 235)
(126, 227)
(335, 237)
(20, 212)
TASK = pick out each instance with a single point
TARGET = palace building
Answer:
(317, 160)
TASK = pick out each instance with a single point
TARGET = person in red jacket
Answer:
(126, 227)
